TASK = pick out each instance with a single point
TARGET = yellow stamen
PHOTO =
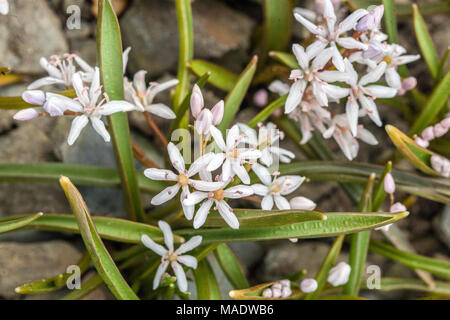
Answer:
(183, 180)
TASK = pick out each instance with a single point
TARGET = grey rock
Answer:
(150, 27)
(248, 253)
(30, 32)
(22, 263)
(441, 225)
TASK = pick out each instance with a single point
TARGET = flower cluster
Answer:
(280, 289)
(346, 62)
(90, 103)
(242, 150)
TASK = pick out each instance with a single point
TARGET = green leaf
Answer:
(287, 59)
(355, 172)
(442, 65)
(437, 267)
(100, 256)
(205, 280)
(390, 20)
(109, 46)
(87, 287)
(255, 293)
(18, 222)
(230, 266)
(417, 155)
(359, 244)
(267, 111)
(257, 218)
(236, 95)
(53, 283)
(186, 50)
(115, 229)
(220, 78)
(425, 42)
(434, 105)
(336, 223)
(327, 264)
(19, 103)
(390, 284)
(80, 175)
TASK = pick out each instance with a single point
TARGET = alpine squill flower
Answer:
(174, 257)
(339, 274)
(4, 7)
(205, 120)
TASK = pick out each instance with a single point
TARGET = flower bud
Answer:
(389, 183)
(203, 122)
(285, 283)
(36, 97)
(277, 285)
(302, 203)
(285, 292)
(308, 285)
(196, 101)
(261, 97)
(54, 107)
(409, 83)
(217, 113)
(441, 165)
(421, 142)
(267, 293)
(428, 133)
(276, 293)
(26, 114)
(446, 123)
(293, 240)
(439, 130)
(371, 20)
(339, 274)
(397, 207)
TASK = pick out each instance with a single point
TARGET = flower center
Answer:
(172, 257)
(235, 153)
(218, 195)
(183, 180)
(275, 188)
(387, 59)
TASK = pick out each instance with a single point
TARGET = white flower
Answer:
(142, 96)
(267, 141)
(276, 189)
(4, 7)
(310, 75)
(173, 257)
(331, 35)
(88, 107)
(308, 285)
(182, 178)
(233, 156)
(50, 103)
(218, 198)
(302, 203)
(339, 274)
(365, 94)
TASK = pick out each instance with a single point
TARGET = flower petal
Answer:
(267, 203)
(152, 245)
(160, 174)
(175, 157)
(260, 189)
(161, 110)
(115, 106)
(290, 183)
(393, 78)
(191, 244)
(202, 213)
(295, 96)
(168, 235)
(262, 173)
(302, 203)
(240, 171)
(165, 195)
(181, 276)
(377, 91)
(99, 127)
(301, 56)
(205, 185)
(374, 75)
(227, 214)
(44, 82)
(195, 197)
(237, 192)
(77, 125)
(159, 272)
(351, 110)
(282, 203)
(309, 25)
(188, 261)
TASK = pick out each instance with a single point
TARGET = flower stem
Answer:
(155, 128)
(141, 157)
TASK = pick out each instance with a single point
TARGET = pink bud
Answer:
(204, 121)
(428, 133)
(26, 114)
(308, 285)
(278, 113)
(397, 207)
(371, 20)
(261, 98)
(302, 203)
(319, 5)
(439, 130)
(409, 83)
(267, 293)
(421, 142)
(196, 101)
(36, 97)
(217, 112)
(389, 184)
(54, 107)
(446, 123)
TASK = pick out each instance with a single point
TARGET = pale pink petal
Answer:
(159, 272)
(267, 203)
(168, 235)
(161, 110)
(227, 214)
(27, 114)
(282, 203)
(295, 95)
(44, 82)
(195, 197)
(77, 125)
(227, 173)
(366, 136)
(374, 75)
(371, 109)
(315, 48)
(188, 261)
(302, 203)
(377, 91)
(351, 20)
(289, 183)
(216, 161)
(309, 25)
(181, 276)
(393, 78)
(191, 244)
(202, 213)
(176, 158)
(217, 112)
(99, 127)
(160, 174)
(232, 136)
(351, 43)
(262, 173)
(165, 195)
(188, 210)
(139, 81)
(218, 138)
(36, 97)
(351, 110)
(301, 56)
(240, 171)
(196, 101)
(237, 192)
(152, 245)
(205, 185)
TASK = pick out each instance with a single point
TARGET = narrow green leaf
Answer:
(359, 244)
(115, 229)
(18, 222)
(390, 20)
(186, 49)
(100, 257)
(434, 105)
(109, 46)
(87, 287)
(437, 267)
(205, 280)
(53, 283)
(327, 264)
(236, 95)
(288, 59)
(417, 155)
(442, 65)
(19, 103)
(390, 284)
(220, 78)
(230, 266)
(337, 223)
(425, 42)
(267, 111)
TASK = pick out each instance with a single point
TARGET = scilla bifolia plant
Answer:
(235, 182)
